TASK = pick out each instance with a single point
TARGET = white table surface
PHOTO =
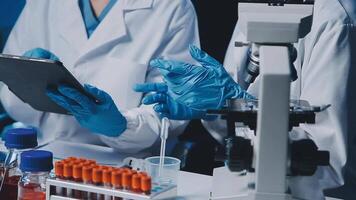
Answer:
(193, 186)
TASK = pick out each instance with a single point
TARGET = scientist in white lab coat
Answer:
(107, 44)
(326, 71)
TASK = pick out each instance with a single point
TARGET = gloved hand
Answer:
(103, 117)
(40, 53)
(199, 87)
(165, 106)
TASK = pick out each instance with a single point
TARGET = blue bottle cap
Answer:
(21, 138)
(36, 161)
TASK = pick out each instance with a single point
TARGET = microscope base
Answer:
(228, 185)
(234, 186)
(267, 196)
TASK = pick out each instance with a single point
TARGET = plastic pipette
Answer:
(164, 136)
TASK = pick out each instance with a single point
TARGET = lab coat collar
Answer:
(112, 28)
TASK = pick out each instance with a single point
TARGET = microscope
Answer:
(271, 28)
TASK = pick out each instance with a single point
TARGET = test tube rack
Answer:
(157, 192)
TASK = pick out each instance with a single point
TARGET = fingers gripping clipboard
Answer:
(30, 78)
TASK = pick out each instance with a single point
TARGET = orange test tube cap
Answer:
(146, 183)
(126, 179)
(66, 161)
(143, 173)
(78, 171)
(103, 167)
(94, 165)
(116, 178)
(87, 173)
(58, 168)
(77, 162)
(110, 168)
(117, 169)
(136, 182)
(107, 176)
(68, 170)
(86, 163)
(71, 158)
(82, 160)
(91, 161)
(97, 175)
(126, 169)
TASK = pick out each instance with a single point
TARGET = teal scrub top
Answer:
(90, 20)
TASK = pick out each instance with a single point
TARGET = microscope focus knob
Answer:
(239, 154)
(305, 158)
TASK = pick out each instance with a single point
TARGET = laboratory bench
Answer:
(191, 186)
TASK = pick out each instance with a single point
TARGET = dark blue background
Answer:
(9, 12)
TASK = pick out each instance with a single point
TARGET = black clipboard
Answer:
(30, 78)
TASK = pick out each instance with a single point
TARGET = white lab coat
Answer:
(325, 77)
(114, 58)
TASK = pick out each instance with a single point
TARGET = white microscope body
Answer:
(269, 30)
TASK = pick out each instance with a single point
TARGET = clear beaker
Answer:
(169, 173)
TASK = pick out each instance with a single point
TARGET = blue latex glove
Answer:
(165, 106)
(40, 53)
(199, 87)
(103, 117)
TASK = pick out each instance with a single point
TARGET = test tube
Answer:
(68, 175)
(87, 172)
(116, 180)
(136, 183)
(146, 184)
(78, 173)
(127, 180)
(78, 177)
(107, 181)
(98, 181)
(58, 170)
